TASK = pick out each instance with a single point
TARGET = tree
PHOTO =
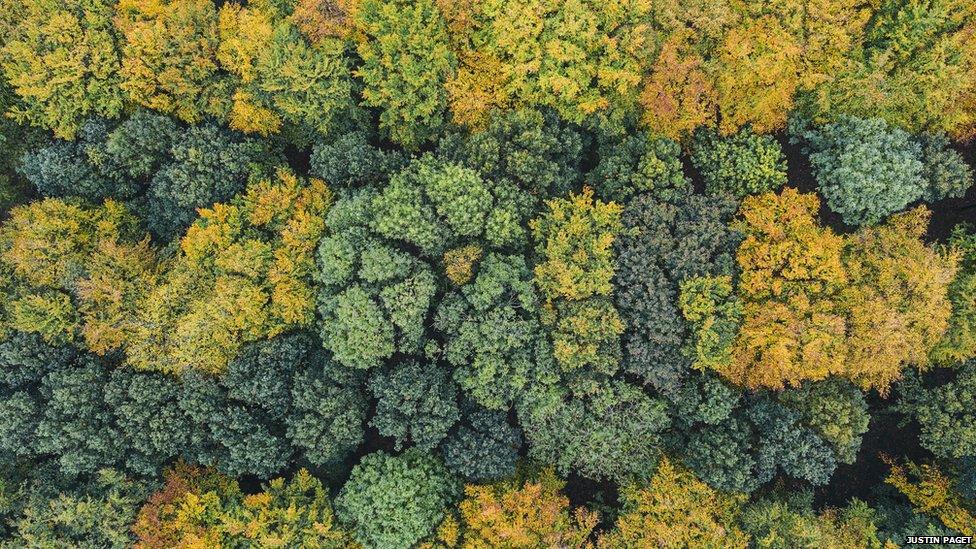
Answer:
(96, 513)
(328, 411)
(782, 522)
(678, 94)
(533, 150)
(63, 62)
(395, 501)
(639, 163)
(146, 411)
(943, 412)
(945, 171)
(675, 509)
(714, 314)
(757, 73)
(865, 168)
(505, 60)
(169, 57)
(351, 161)
(75, 424)
(574, 240)
(197, 506)
(279, 78)
(663, 245)
(83, 167)
(570, 432)
(58, 256)
(484, 447)
(793, 328)
(373, 298)
(243, 274)
(836, 410)
(207, 165)
(741, 164)
(896, 301)
(959, 341)
(523, 512)
(738, 442)
(238, 437)
(436, 205)
(416, 403)
(914, 69)
(492, 332)
(933, 493)
(406, 58)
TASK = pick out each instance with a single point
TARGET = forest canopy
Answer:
(500, 273)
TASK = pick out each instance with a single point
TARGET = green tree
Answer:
(741, 164)
(350, 161)
(436, 205)
(492, 332)
(943, 412)
(836, 410)
(406, 58)
(865, 168)
(206, 165)
(373, 298)
(152, 427)
(663, 245)
(395, 501)
(95, 513)
(416, 403)
(945, 171)
(783, 522)
(327, 420)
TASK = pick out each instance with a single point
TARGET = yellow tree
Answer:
(73, 269)
(526, 513)
(757, 73)
(933, 493)
(244, 273)
(897, 302)
(64, 64)
(676, 510)
(169, 57)
(792, 328)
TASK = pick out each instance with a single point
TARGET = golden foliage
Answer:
(525, 514)
(244, 274)
(459, 263)
(677, 510)
(933, 493)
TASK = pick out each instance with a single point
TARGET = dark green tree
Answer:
(484, 447)
(350, 161)
(663, 245)
(638, 163)
(533, 150)
(416, 404)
